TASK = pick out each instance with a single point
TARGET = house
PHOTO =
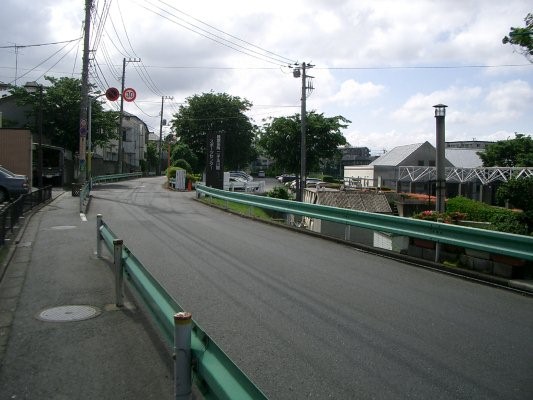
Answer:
(134, 143)
(383, 171)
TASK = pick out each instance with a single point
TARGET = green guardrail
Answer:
(215, 374)
(508, 244)
(114, 178)
(85, 189)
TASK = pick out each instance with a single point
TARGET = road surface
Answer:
(307, 318)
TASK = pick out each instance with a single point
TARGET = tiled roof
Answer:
(361, 201)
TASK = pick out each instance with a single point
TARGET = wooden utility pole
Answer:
(84, 93)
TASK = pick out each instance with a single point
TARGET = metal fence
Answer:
(216, 376)
(518, 246)
(85, 189)
(11, 213)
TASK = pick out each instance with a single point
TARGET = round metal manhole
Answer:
(68, 313)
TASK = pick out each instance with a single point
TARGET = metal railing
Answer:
(85, 189)
(11, 213)
(217, 377)
(518, 246)
(114, 178)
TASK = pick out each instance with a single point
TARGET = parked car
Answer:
(241, 174)
(286, 178)
(12, 185)
(309, 182)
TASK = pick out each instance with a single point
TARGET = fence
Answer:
(217, 377)
(518, 246)
(12, 212)
(85, 189)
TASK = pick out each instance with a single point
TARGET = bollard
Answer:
(119, 272)
(98, 236)
(182, 355)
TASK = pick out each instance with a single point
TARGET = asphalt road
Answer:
(308, 318)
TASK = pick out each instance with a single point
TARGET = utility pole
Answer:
(84, 93)
(161, 134)
(307, 86)
(121, 115)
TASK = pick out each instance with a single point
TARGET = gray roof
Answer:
(397, 155)
(463, 158)
(361, 201)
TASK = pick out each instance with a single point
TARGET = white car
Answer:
(309, 182)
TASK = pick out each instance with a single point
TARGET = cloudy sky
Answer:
(381, 64)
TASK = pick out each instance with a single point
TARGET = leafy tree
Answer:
(281, 140)
(216, 112)
(522, 37)
(519, 193)
(60, 104)
(517, 152)
(180, 151)
(152, 156)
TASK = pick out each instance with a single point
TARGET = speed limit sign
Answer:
(129, 94)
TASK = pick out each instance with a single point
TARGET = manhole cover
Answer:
(68, 313)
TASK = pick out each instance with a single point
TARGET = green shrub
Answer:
(279, 192)
(171, 172)
(182, 164)
(329, 179)
(502, 219)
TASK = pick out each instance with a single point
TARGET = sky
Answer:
(381, 64)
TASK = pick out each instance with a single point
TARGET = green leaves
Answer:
(522, 37)
(216, 112)
(517, 152)
(281, 140)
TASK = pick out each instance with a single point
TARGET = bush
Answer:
(447, 217)
(279, 192)
(502, 219)
(181, 163)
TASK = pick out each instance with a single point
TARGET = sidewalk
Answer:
(87, 349)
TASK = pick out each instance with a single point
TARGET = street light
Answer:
(440, 114)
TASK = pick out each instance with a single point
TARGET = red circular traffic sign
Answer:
(129, 94)
(112, 94)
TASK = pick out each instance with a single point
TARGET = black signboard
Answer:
(214, 176)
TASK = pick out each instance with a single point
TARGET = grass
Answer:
(238, 208)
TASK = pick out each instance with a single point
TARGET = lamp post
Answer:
(440, 114)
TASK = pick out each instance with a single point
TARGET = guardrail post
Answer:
(119, 272)
(98, 236)
(438, 246)
(182, 355)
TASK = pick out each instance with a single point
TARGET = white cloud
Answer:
(352, 92)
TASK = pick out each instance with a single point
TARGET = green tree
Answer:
(517, 152)
(522, 37)
(180, 151)
(519, 193)
(152, 156)
(216, 112)
(60, 104)
(281, 140)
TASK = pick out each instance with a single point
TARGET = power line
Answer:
(16, 46)
(287, 60)
(215, 38)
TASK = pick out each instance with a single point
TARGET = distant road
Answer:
(307, 318)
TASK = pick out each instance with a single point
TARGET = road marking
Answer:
(83, 217)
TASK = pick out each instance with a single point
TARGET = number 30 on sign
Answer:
(129, 94)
